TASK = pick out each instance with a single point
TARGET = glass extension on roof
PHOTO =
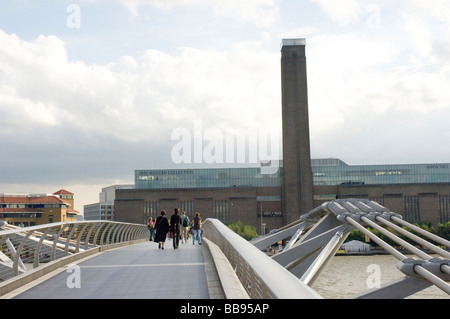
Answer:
(380, 174)
(325, 172)
(205, 178)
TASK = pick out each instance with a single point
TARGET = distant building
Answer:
(38, 209)
(419, 192)
(229, 194)
(104, 209)
(99, 211)
(333, 171)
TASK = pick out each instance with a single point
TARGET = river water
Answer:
(345, 276)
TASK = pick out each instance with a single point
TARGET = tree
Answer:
(443, 230)
(356, 234)
(246, 231)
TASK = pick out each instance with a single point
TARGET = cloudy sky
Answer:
(91, 90)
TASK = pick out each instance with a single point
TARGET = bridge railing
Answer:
(24, 250)
(261, 277)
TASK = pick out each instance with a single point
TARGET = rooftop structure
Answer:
(205, 178)
(328, 171)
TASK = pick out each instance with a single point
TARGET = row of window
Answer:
(32, 205)
(381, 174)
(20, 215)
(205, 178)
(322, 175)
(24, 224)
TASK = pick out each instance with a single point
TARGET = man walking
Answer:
(175, 222)
(197, 221)
(184, 227)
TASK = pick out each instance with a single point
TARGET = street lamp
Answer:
(262, 224)
(239, 212)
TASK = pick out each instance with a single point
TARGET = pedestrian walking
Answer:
(162, 227)
(151, 228)
(175, 222)
(184, 227)
(196, 229)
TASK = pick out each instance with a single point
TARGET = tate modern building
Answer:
(269, 196)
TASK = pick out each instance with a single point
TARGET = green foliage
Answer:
(355, 234)
(246, 231)
(442, 230)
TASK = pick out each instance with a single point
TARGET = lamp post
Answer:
(262, 224)
(239, 212)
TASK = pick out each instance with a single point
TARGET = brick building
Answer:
(419, 192)
(37, 209)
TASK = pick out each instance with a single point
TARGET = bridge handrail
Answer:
(23, 250)
(262, 277)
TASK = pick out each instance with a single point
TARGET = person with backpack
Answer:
(184, 227)
(197, 227)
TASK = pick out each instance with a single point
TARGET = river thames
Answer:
(345, 276)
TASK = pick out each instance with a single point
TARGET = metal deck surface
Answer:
(132, 272)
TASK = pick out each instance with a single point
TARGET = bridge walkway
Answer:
(139, 271)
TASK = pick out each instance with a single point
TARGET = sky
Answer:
(91, 90)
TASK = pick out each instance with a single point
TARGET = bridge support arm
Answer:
(324, 256)
(397, 289)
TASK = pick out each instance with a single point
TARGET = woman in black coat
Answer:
(162, 227)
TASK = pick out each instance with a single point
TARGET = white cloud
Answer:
(419, 33)
(366, 108)
(345, 12)
(342, 11)
(439, 9)
(134, 100)
(379, 95)
(143, 99)
(262, 13)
